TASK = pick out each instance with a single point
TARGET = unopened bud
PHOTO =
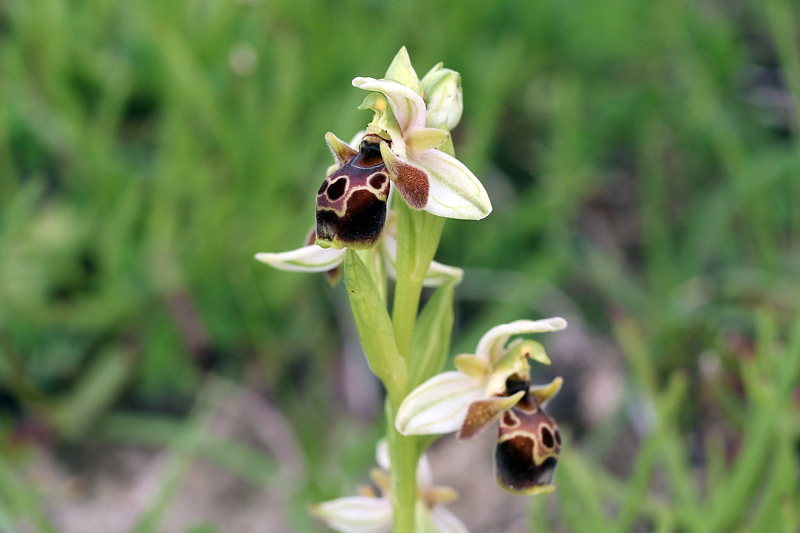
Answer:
(443, 97)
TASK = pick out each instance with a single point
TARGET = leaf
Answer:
(373, 324)
(431, 341)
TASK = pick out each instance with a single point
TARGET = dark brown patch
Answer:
(336, 189)
(361, 226)
(369, 154)
(377, 181)
(547, 437)
(509, 420)
(515, 467)
(514, 385)
(323, 187)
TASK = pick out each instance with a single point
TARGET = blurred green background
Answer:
(643, 160)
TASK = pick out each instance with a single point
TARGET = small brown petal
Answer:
(481, 413)
(411, 181)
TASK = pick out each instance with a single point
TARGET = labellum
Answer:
(351, 203)
(527, 449)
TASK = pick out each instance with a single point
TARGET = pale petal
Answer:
(424, 473)
(306, 259)
(425, 139)
(544, 393)
(342, 152)
(407, 106)
(492, 344)
(472, 365)
(454, 192)
(356, 514)
(439, 405)
(447, 522)
(382, 455)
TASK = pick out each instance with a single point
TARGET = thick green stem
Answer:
(418, 235)
(404, 456)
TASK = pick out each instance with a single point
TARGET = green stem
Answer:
(418, 234)
(404, 457)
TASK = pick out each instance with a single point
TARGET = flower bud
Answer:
(443, 96)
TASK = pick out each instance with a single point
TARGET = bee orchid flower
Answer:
(371, 511)
(425, 177)
(491, 384)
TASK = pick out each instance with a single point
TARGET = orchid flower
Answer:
(494, 383)
(426, 178)
(315, 258)
(371, 512)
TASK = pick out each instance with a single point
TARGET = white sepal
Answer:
(402, 71)
(356, 514)
(439, 274)
(454, 192)
(311, 258)
(439, 405)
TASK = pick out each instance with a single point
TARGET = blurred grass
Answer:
(643, 157)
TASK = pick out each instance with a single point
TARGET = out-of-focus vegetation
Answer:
(643, 159)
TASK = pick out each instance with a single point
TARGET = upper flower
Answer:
(493, 381)
(372, 511)
(426, 178)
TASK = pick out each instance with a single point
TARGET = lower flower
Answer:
(371, 512)
(494, 384)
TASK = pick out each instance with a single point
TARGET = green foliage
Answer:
(757, 491)
(640, 156)
(430, 346)
(374, 325)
